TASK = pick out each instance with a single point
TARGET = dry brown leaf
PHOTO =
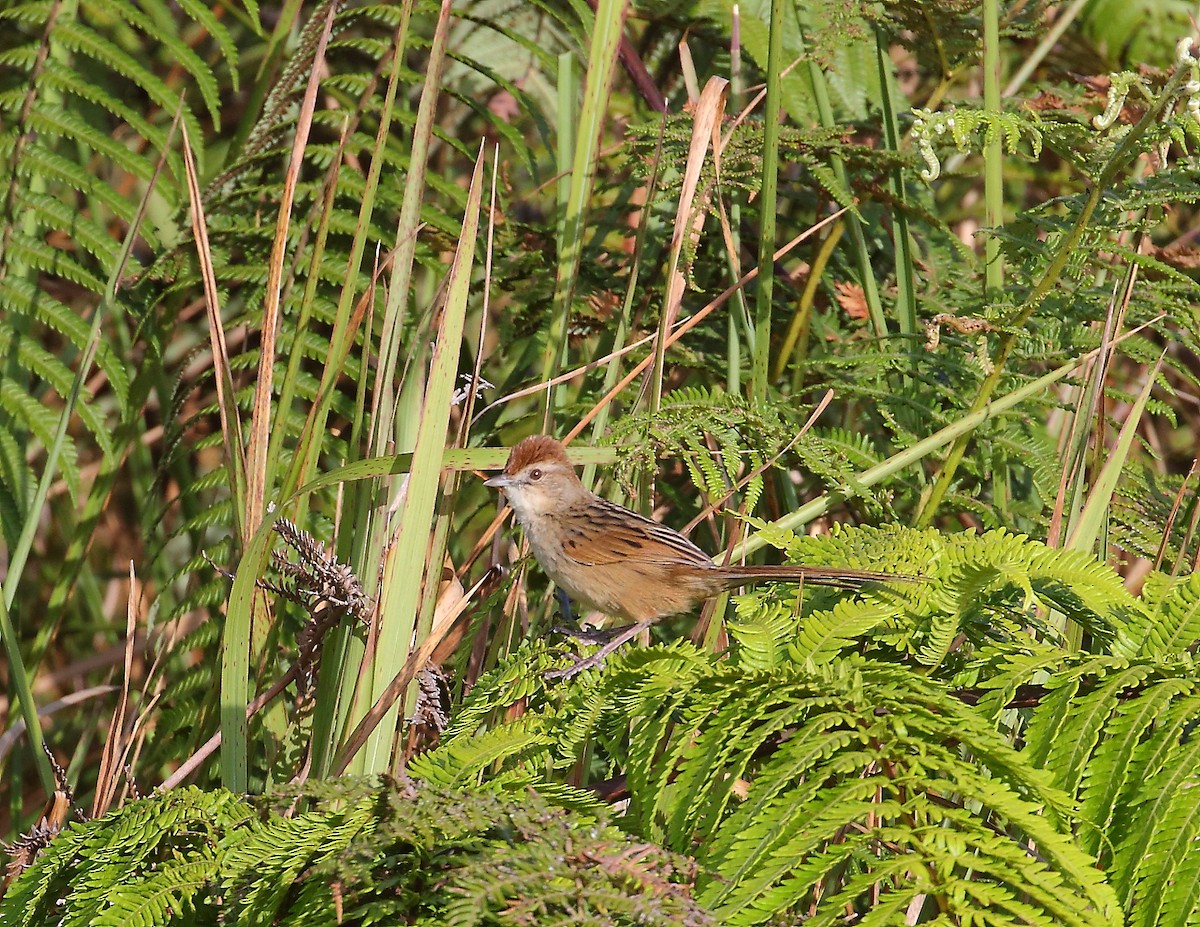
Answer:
(852, 299)
(1181, 255)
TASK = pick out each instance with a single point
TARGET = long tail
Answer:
(816, 576)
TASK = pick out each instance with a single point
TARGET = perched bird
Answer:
(616, 561)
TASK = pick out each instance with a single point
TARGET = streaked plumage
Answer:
(616, 561)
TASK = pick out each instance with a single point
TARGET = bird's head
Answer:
(538, 478)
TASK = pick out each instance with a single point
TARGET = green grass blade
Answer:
(993, 153)
(235, 655)
(769, 195)
(906, 291)
(400, 588)
(1084, 534)
(602, 65)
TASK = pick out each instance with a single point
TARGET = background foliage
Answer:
(275, 281)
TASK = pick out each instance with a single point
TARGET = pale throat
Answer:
(541, 513)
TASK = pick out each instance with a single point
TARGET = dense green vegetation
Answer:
(872, 285)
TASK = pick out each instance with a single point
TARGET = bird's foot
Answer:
(587, 635)
(570, 672)
(620, 636)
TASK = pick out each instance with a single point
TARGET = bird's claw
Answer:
(570, 672)
(587, 635)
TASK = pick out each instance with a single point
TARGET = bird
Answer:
(615, 561)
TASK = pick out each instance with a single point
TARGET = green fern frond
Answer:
(1166, 769)
(1118, 763)
(1163, 892)
(769, 853)
(824, 633)
(1002, 669)
(1068, 753)
(287, 849)
(776, 773)
(464, 761)
(152, 856)
(168, 894)
(762, 630)
(1169, 623)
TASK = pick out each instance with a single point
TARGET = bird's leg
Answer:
(623, 634)
(564, 602)
(588, 635)
(573, 629)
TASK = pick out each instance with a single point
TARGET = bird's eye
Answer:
(535, 474)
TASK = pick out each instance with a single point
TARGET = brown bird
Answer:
(616, 561)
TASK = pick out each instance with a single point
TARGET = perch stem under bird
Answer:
(618, 562)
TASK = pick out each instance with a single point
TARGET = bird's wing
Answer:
(606, 533)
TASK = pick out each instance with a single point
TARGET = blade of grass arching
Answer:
(231, 425)
(602, 63)
(409, 558)
(768, 196)
(993, 154)
(910, 455)
(906, 292)
(689, 218)
(1122, 154)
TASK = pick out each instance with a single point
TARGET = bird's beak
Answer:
(498, 482)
